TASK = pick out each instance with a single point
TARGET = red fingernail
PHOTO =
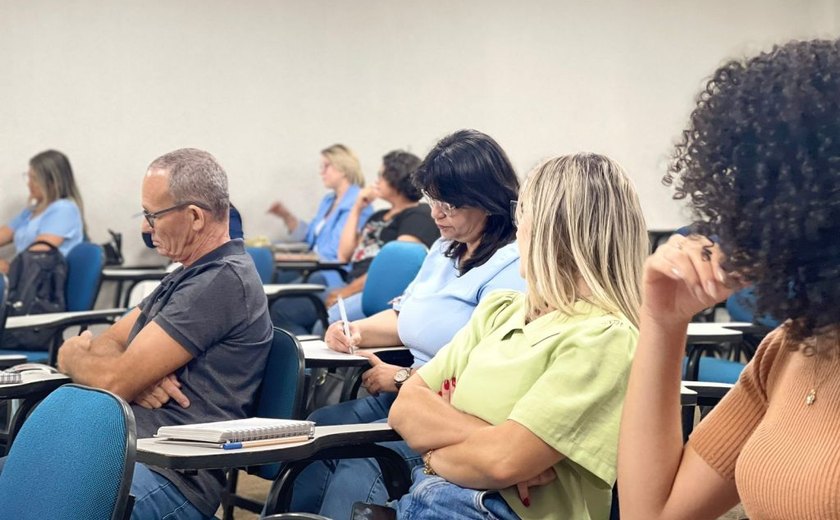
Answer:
(526, 501)
(446, 384)
(440, 394)
(453, 381)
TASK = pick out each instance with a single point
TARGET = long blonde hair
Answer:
(586, 223)
(54, 176)
(346, 162)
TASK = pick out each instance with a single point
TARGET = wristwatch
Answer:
(401, 376)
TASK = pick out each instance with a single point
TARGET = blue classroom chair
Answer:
(264, 261)
(280, 397)
(84, 276)
(74, 458)
(390, 272)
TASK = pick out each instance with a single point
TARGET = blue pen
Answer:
(264, 442)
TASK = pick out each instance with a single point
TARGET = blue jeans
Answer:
(432, 497)
(330, 487)
(155, 497)
(297, 314)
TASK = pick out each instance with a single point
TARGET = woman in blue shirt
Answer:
(342, 174)
(469, 184)
(55, 212)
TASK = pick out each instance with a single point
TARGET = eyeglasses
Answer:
(445, 207)
(151, 217)
(514, 204)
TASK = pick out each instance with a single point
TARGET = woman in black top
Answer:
(406, 220)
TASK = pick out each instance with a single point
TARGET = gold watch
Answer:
(401, 377)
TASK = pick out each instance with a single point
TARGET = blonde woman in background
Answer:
(55, 213)
(342, 174)
(519, 414)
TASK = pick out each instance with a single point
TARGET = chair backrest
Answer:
(392, 269)
(4, 291)
(84, 274)
(264, 261)
(741, 307)
(281, 392)
(73, 458)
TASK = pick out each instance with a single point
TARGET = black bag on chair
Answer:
(36, 286)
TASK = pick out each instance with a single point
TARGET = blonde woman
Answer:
(55, 213)
(519, 414)
(342, 174)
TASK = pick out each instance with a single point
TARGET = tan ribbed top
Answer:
(783, 454)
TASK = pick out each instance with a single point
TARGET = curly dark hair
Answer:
(760, 165)
(397, 168)
(468, 168)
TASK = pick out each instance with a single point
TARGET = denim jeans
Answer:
(432, 497)
(297, 314)
(330, 487)
(155, 497)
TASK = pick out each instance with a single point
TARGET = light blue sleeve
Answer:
(300, 232)
(20, 219)
(61, 218)
(363, 218)
(508, 278)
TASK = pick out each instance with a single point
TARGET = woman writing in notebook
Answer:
(760, 165)
(519, 414)
(469, 183)
(405, 220)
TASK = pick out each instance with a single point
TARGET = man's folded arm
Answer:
(103, 363)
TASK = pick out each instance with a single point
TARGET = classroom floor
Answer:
(257, 488)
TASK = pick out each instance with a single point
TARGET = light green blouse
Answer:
(561, 376)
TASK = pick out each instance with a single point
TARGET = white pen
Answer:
(343, 311)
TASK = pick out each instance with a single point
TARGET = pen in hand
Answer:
(344, 321)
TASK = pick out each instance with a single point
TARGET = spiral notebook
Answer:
(238, 433)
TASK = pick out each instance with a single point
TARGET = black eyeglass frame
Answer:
(151, 217)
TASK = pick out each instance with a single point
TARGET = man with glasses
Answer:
(195, 349)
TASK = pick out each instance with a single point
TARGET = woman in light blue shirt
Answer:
(55, 213)
(469, 183)
(342, 174)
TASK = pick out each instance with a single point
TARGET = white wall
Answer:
(264, 85)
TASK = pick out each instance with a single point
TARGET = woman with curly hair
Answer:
(760, 164)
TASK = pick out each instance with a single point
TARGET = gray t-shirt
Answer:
(217, 310)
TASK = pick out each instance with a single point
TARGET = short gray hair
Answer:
(196, 176)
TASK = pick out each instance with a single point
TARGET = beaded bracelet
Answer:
(427, 464)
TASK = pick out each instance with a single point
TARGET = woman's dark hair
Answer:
(470, 169)
(760, 165)
(398, 166)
